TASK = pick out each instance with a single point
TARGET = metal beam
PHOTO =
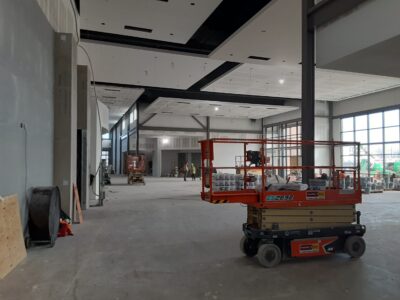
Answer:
(222, 70)
(198, 121)
(151, 93)
(328, 10)
(158, 128)
(308, 91)
(154, 45)
(208, 128)
(148, 119)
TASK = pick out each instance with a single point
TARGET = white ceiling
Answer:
(118, 64)
(330, 85)
(172, 21)
(118, 100)
(185, 107)
(275, 32)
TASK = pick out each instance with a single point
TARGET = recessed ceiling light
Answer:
(192, 3)
(165, 141)
(103, 23)
(216, 108)
(281, 81)
(171, 34)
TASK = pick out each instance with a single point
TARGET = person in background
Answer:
(193, 171)
(185, 170)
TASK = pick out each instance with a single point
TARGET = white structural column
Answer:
(65, 118)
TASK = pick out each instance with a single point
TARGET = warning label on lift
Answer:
(315, 195)
(280, 197)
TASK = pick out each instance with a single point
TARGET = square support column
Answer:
(65, 118)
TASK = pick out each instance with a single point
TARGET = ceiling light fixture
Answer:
(165, 141)
(281, 81)
(216, 108)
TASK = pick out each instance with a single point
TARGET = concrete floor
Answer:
(160, 241)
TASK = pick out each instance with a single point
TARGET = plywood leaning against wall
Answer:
(12, 247)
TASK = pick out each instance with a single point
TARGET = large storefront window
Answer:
(379, 135)
(284, 155)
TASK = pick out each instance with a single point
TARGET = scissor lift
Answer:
(272, 245)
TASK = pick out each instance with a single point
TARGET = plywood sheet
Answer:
(12, 247)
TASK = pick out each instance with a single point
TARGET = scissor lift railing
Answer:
(335, 193)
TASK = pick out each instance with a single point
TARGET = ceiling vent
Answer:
(244, 106)
(259, 57)
(141, 29)
(109, 97)
(181, 102)
(167, 112)
(112, 90)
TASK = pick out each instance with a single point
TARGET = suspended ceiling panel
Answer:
(118, 64)
(185, 107)
(285, 81)
(172, 21)
(274, 33)
(118, 100)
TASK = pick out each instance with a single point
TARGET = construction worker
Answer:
(193, 171)
(185, 170)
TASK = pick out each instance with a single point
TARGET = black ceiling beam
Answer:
(214, 75)
(152, 93)
(140, 42)
(328, 10)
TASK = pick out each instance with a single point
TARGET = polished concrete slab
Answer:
(160, 241)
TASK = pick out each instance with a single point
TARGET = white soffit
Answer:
(126, 65)
(264, 80)
(118, 100)
(186, 107)
(275, 33)
(173, 21)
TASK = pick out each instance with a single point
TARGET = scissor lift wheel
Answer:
(248, 246)
(354, 246)
(269, 255)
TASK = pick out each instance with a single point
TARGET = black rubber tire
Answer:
(269, 255)
(354, 246)
(248, 247)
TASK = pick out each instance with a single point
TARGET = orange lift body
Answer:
(262, 198)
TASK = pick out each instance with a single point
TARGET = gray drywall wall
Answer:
(26, 96)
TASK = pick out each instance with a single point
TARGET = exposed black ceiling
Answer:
(227, 18)
(78, 5)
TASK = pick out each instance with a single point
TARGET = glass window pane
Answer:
(348, 150)
(392, 134)
(363, 149)
(364, 163)
(376, 149)
(376, 164)
(392, 117)
(361, 122)
(362, 136)
(375, 135)
(348, 161)
(375, 120)
(392, 148)
(347, 124)
(348, 136)
(392, 165)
